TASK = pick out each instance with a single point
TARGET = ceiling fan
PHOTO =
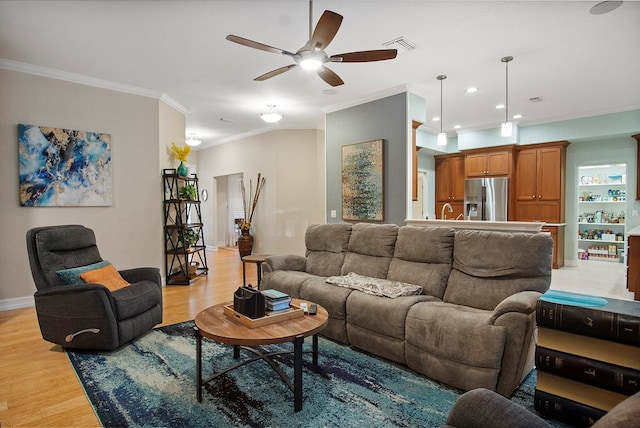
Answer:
(312, 55)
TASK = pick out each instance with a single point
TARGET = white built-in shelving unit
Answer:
(601, 212)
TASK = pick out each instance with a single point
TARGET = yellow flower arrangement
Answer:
(180, 153)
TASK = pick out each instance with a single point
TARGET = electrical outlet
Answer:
(634, 213)
(334, 214)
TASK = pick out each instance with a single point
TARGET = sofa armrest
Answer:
(284, 262)
(483, 408)
(141, 274)
(523, 302)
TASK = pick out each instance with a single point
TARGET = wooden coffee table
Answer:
(213, 324)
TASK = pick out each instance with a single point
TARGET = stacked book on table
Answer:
(276, 301)
(587, 356)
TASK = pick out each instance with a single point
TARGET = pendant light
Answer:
(271, 116)
(507, 127)
(442, 137)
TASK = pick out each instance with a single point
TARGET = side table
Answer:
(258, 259)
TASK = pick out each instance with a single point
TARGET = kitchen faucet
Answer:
(446, 205)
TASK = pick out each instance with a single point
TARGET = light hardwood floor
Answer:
(38, 387)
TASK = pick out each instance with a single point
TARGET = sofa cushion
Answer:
(367, 311)
(135, 299)
(370, 250)
(64, 248)
(431, 277)
(72, 275)
(490, 266)
(423, 256)
(454, 344)
(105, 275)
(373, 239)
(334, 300)
(425, 244)
(324, 263)
(287, 281)
(332, 237)
(326, 245)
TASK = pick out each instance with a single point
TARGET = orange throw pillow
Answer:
(107, 276)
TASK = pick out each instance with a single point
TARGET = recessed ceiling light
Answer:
(517, 116)
(436, 119)
(471, 90)
(500, 106)
(457, 126)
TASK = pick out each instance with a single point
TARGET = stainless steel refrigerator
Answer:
(486, 198)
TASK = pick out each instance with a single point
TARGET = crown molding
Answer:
(369, 98)
(81, 79)
(175, 104)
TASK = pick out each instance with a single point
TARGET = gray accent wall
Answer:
(385, 119)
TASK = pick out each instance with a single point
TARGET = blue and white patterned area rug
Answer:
(151, 383)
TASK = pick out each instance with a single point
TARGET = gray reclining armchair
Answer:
(87, 315)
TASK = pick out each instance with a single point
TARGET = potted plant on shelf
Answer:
(181, 154)
(245, 241)
(188, 191)
(188, 237)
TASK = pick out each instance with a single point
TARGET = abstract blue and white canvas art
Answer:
(62, 167)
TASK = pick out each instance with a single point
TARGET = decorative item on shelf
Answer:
(189, 192)
(249, 204)
(188, 237)
(181, 154)
(193, 267)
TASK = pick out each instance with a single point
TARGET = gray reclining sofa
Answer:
(471, 326)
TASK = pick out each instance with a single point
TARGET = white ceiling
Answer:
(578, 63)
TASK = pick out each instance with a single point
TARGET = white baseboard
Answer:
(17, 303)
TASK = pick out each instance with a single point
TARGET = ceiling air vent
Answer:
(535, 100)
(401, 44)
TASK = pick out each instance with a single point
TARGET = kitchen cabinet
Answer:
(637, 138)
(557, 233)
(488, 163)
(540, 182)
(449, 184)
(633, 262)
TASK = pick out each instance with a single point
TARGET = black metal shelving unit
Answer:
(182, 216)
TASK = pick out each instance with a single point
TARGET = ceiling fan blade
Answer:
(365, 56)
(256, 45)
(329, 76)
(275, 72)
(325, 31)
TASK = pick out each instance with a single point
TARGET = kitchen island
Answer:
(503, 226)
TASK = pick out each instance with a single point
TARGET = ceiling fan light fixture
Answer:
(193, 141)
(310, 60)
(271, 116)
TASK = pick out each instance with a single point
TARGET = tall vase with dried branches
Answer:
(249, 204)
